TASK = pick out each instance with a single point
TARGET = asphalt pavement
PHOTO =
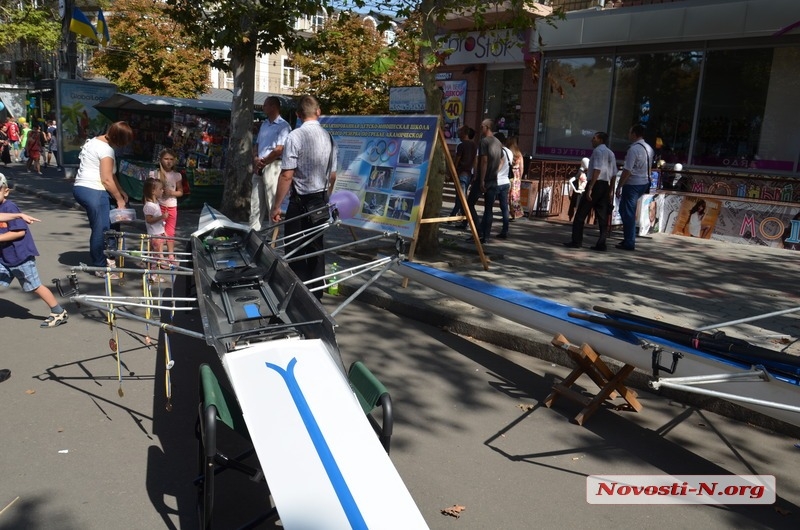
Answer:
(686, 281)
(470, 430)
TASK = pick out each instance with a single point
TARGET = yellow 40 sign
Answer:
(453, 108)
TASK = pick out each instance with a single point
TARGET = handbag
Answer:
(319, 208)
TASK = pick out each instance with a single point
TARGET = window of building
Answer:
(743, 120)
(288, 73)
(739, 121)
(575, 104)
(502, 101)
(657, 91)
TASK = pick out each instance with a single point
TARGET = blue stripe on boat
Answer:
(341, 488)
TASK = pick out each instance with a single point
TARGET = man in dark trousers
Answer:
(308, 171)
(633, 183)
(598, 194)
(490, 153)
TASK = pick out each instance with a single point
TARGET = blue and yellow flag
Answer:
(81, 25)
(102, 28)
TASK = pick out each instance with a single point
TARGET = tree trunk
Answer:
(239, 157)
(428, 239)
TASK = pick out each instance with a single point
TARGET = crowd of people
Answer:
(299, 165)
(491, 169)
(35, 145)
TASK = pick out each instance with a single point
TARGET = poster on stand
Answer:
(384, 161)
(454, 99)
(77, 118)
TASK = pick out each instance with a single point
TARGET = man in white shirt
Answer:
(602, 173)
(267, 163)
(633, 183)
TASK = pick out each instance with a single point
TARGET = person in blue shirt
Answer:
(18, 257)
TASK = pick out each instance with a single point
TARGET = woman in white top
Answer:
(96, 183)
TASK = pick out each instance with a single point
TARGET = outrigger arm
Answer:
(689, 384)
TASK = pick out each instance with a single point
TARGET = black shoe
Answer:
(623, 246)
(470, 239)
(598, 247)
(502, 235)
(570, 244)
(4, 374)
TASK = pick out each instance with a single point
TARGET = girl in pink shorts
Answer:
(173, 189)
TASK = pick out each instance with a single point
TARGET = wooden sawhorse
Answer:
(589, 362)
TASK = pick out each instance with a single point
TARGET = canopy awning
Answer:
(138, 102)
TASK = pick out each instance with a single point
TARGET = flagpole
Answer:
(68, 56)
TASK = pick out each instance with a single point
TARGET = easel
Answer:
(451, 171)
(589, 362)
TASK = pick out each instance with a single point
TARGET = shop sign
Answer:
(502, 46)
(407, 99)
(77, 117)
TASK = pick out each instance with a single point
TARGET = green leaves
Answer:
(349, 66)
(149, 53)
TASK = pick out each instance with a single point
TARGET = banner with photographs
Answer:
(384, 161)
(746, 223)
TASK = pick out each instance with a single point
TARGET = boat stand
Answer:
(589, 362)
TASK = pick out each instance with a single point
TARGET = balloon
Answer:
(678, 167)
(346, 202)
(2, 105)
(21, 121)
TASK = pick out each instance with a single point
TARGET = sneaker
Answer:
(158, 278)
(101, 274)
(502, 235)
(55, 319)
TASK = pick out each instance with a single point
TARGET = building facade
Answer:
(713, 82)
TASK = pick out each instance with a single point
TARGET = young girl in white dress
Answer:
(155, 221)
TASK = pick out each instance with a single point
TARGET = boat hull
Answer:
(324, 464)
(625, 346)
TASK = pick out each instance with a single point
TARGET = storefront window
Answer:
(743, 120)
(502, 100)
(740, 122)
(576, 92)
(658, 91)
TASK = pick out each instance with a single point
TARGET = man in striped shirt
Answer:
(308, 171)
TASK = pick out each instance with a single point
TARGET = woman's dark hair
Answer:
(119, 134)
(697, 206)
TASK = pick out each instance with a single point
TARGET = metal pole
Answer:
(749, 319)
(730, 397)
